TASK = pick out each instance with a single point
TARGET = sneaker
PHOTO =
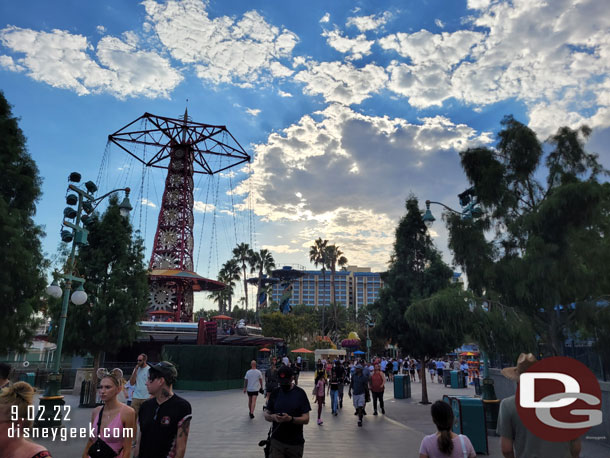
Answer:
(359, 423)
(375, 413)
(356, 412)
(251, 415)
(383, 410)
(320, 422)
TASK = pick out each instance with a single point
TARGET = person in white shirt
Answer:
(138, 378)
(253, 385)
(286, 361)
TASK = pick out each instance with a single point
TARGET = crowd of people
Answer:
(162, 419)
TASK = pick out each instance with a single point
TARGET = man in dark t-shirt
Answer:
(288, 408)
(164, 419)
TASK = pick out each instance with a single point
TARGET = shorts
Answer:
(395, 372)
(432, 371)
(439, 372)
(358, 400)
(282, 450)
(252, 393)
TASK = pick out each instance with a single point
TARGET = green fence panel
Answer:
(210, 367)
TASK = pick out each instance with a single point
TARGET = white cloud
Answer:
(282, 249)
(8, 63)
(343, 83)
(101, 29)
(356, 47)
(324, 19)
(64, 60)
(148, 203)
(283, 94)
(372, 22)
(553, 56)
(253, 111)
(300, 176)
(202, 207)
(242, 51)
(439, 23)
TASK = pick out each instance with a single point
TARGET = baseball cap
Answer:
(167, 370)
(284, 375)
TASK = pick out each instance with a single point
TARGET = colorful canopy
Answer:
(264, 349)
(221, 317)
(302, 350)
(358, 352)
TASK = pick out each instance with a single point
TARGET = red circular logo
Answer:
(559, 399)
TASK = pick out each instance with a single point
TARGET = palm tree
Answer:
(334, 258)
(229, 272)
(317, 255)
(219, 297)
(242, 253)
(263, 263)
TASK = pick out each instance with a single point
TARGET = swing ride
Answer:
(284, 276)
(185, 149)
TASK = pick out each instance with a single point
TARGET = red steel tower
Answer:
(184, 148)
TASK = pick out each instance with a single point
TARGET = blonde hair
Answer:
(20, 394)
(116, 375)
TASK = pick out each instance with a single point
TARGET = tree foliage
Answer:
(116, 283)
(541, 243)
(22, 280)
(416, 272)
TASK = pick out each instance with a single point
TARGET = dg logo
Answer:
(559, 399)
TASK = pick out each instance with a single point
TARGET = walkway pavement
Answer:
(221, 427)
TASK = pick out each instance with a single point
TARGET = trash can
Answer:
(457, 381)
(28, 377)
(469, 419)
(477, 386)
(402, 386)
(446, 378)
(492, 409)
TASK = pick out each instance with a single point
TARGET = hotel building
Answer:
(354, 286)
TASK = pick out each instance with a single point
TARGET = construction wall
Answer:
(210, 367)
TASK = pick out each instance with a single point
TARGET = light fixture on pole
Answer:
(73, 219)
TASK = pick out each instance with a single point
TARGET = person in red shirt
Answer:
(377, 385)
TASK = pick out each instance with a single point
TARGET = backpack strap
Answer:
(99, 420)
(463, 446)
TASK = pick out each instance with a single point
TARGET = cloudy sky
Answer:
(345, 107)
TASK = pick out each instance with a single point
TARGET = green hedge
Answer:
(210, 367)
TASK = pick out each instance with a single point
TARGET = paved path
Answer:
(221, 427)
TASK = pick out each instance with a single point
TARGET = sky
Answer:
(346, 108)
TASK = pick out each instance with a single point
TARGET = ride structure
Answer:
(184, 148)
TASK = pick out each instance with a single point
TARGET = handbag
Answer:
(100, 449)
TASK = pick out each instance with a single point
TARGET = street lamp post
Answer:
(369, 324)
(470, 210)
(51, 401)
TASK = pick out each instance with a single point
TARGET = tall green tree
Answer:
(318, 256)
(243, 254)
(263, 264)
(334, 257)
(116, 282)
(540, 244)
(22, 280)
(416, 272)
(229, 274)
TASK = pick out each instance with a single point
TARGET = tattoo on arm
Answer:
(184, 429)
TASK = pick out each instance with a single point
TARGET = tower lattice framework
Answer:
(184, 148)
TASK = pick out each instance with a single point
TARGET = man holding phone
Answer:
(288, 408)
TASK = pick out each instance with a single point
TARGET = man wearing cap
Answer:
(288, 408)
(165, 418)
(358, 386)
(516, 440)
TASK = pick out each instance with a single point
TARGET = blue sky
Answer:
(345, 107)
